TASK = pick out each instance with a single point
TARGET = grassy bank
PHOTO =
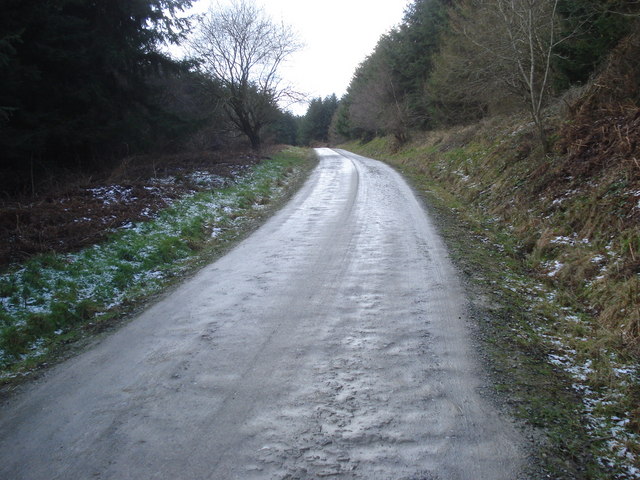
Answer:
(52, 300)
(551, 260)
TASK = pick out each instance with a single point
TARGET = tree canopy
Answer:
(387, 92)
(314, 127)
(82, 81)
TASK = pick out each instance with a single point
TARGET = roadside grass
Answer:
(52, 300)
(551, 269)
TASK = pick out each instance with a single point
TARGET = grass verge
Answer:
(52, 300)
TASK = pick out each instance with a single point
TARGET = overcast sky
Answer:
(338, 35)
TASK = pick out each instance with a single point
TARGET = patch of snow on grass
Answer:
(465, 178)
(616, 455)
(113, 194)
(131, 263)
(571, 241)
(553, 267)
(206, 179)
(604, 419)
(560, 240)
(170, 180)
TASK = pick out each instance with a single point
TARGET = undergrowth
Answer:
(559, 259)
(53, 299)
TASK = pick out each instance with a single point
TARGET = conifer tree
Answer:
(73, 77)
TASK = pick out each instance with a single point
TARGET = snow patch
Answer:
(553, 267)
(571, 241)
(206, 179)
(113, 194)
(616, 455)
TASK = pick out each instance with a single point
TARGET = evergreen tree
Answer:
(341, 128)
(284, 129)
(315, 124)
(74, 77)
(410, 51)
(387, 94)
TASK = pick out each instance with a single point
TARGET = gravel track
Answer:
(332, 343)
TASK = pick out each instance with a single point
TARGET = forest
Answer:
(83, 83)
(456, 61)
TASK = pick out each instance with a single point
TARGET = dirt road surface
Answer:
(332, 343)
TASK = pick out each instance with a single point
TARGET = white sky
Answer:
(338, 35)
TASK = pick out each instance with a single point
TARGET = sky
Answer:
(338, 35)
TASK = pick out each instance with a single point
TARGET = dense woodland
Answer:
(455, 61)
(83, 80)
(84, 83)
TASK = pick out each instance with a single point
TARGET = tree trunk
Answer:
(254, 138)
(544, 139)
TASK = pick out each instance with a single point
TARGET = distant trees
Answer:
(387, 93)
(411, 49)
(243, 49)
(314, 126)
(376, 102)
(82, 81)
(284, 128)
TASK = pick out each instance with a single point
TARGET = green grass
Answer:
(55, 298)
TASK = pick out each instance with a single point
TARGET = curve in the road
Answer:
(331, 343)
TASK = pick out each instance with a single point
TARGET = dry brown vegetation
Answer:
(604, 130)
(75, 214)
(601, 149)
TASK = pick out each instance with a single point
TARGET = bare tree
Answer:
(509, 43)
(243, 48)
(530, 28)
